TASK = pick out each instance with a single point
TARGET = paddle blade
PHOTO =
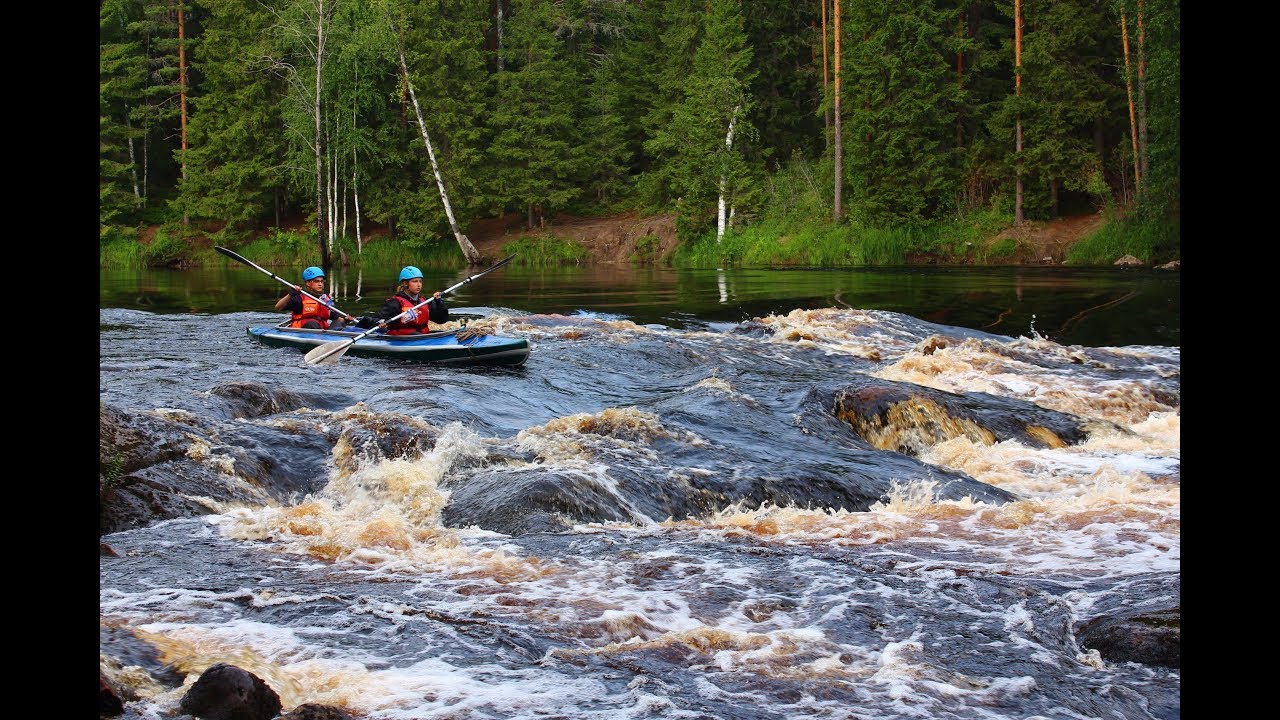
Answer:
(328, 353)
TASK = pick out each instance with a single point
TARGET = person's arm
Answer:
(292, 301)
(439, 311)
(390, 309)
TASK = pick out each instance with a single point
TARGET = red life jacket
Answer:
(404, 326)
(311, 310)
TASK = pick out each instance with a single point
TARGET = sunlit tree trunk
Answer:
(1017, 84)
(182, 96)
(826, 83)
(960, 35)
(1128, 87)
(1142, 92)
(838, 145)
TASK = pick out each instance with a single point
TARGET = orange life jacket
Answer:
(404, 326)
(311, 310)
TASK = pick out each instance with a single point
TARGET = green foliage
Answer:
(112, 470)
(602, 107)
(1154, 242)
(540, 250)
(646, 250)
(122, 250)
(900, 112)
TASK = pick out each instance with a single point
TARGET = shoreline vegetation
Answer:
(982, 239)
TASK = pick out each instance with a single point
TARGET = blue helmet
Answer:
(312, 273)
(410, 272)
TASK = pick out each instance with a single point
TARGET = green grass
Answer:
(541, 250)
(1154, 242)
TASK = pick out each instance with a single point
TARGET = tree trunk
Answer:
(468, 250)
(1054, 207)
(826, 84)
(838, 147)
(322, 231)
(728, 144)
(498, 40)
(355, 164)
(1142, 92)
(1128, 88)
(133, 163)
(182, 96)
(1017, 85)
(355, 199)
(960, 33)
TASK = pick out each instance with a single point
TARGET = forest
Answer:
(221, 118)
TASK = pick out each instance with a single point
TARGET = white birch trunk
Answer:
(321, 230)
(500, 65)
(133, 164)
(728, 144)
(355, 198)
(330, 180)
(468, 250)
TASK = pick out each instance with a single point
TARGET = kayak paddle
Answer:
(235, 256)
(331, 352)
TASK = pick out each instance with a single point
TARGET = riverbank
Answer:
(630, 238)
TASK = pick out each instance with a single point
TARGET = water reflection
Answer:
(1094, 307)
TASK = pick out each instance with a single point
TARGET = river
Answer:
(749, 494)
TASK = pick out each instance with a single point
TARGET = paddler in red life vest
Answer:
(307, 312)
(409, 294)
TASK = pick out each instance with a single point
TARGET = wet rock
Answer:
(910, 419)
(1150, 637)
(1171, 265)
(226, 692)
(367, 437)
(112, 697)
(157, 466)
(119, 647)
(1128, 261)
(254, 399)
(313, 711)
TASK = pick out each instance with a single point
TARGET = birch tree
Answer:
(468, 250)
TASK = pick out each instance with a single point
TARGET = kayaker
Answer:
(307, 313)
(408, 294)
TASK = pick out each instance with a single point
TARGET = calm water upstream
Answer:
(749, 494)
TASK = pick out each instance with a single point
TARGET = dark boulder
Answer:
(226, 692)
(113, 697)
(1151, 637)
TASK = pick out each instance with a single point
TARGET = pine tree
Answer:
(236, 155)
(700, 156)
(534, 116)
(122, 81)
(900, 111)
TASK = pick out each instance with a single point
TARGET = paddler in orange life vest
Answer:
(308, 313)
(409, 294)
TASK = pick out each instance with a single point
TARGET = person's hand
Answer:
(436, 296)
(410, 315)
(296, 291)
(326, 300)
